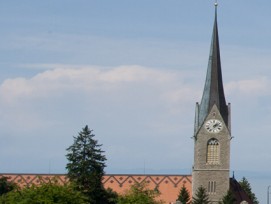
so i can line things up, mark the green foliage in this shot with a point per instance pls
(112, 196)
(247, 188)
(140, 194)
(85, 166)
(201, 196)
(6, 186)
(184, 196)
(47, 193)
(228, 198)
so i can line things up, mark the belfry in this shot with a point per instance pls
(212, 130)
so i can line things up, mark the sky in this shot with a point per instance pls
(132, 71)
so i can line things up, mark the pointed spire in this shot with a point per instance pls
(213, 91)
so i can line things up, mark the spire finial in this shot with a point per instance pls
(216, 5)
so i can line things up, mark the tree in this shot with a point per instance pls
(201, 196)
(184, 196)
(112, 196)
(247, 188)
(140, 194)
(49, 193)
(228, 198)
(6, 186)
(86, 164)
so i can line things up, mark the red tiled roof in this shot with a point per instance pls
(168, 185)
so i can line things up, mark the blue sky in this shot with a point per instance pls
(132, 71)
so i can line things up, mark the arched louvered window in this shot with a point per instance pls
(213, 151)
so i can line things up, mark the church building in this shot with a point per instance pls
(212, 138)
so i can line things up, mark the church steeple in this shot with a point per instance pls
(213, 90)
(212, 134)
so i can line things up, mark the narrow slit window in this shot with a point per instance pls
(211, 187)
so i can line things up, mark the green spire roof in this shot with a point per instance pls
(213, 91)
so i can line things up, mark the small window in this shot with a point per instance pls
(212, 187)
(213, 151)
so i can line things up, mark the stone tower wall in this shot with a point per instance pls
(213, 177)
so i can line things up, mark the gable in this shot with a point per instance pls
(214, 114)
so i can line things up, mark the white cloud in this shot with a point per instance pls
(32, 103)
(251, 87)
(121, 88)
(67, 78)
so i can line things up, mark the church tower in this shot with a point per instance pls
(212, 131)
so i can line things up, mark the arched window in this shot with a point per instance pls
(213, 151)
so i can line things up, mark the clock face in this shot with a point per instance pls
(213, 126)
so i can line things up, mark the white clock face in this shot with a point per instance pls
(213, 126)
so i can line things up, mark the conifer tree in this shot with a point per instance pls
(86, 164)
(201, 196)
(228, 198)
(184, 196)
(247, 188)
